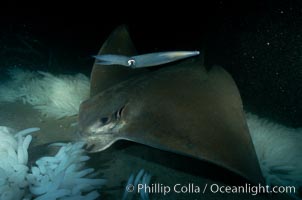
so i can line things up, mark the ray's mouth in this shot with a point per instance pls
(98, 143)
(99, 137)
(89, 147)
(107, 129)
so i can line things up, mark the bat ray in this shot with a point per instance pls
(182, 107)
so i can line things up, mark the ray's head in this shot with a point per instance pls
(101, 120)
(113, 114)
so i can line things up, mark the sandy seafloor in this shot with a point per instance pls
(119, 161)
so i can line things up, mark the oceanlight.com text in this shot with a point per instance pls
(191, 188)
(251, 189)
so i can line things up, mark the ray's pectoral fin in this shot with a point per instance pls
(102, 76)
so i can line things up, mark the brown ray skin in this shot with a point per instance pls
(181, 108)
(102, 77)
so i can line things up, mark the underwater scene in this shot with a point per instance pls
(165, 109)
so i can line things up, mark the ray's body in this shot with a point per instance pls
(182, 108)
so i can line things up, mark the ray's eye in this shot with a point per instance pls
(104, 120)
(118, 113)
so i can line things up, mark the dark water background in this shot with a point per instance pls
(258, 42)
